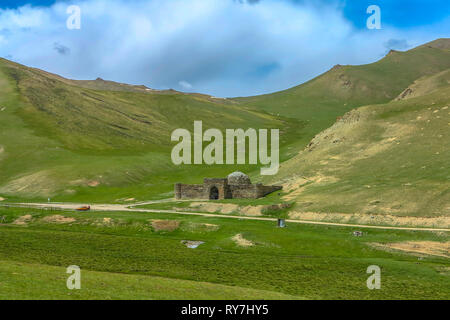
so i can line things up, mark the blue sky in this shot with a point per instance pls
(398, 13)
(220, 47)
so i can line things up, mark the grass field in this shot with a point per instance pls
(33, 281)
(313, 262)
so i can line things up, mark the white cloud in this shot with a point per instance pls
(224, 47)
(185, 85)
(23, 17)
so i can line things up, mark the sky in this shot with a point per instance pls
(224, 48)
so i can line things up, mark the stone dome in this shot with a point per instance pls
(238, 178)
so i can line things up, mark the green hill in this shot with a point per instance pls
(320, 101)
(101, 120)
(60, 139)
(380, 159)
(98, 141)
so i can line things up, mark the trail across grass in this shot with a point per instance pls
(310, 261)
(125, 208)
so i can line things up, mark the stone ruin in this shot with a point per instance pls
(236, 186)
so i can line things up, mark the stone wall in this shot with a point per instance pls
(226, 191)
(189, 191)
(243, 191)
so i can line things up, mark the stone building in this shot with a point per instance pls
(236, 186)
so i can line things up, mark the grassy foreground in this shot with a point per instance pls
(33, 281)
(314, 262)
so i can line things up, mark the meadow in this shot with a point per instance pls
(297, 262)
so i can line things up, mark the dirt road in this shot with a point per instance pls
(130, 208)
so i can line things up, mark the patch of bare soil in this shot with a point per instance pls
(252, 211)
(23, 220)
(165, 225)
(58, 219)
(225, 208)
(433, 248)
(368, 219)
(405, 94)
(241, 241)
(85, 182)
(93, 183)
(2, 199)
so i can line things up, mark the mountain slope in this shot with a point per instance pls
(320, 101)
(380, 159)
(96, 120)
(61, 140)
(426, 85)
(103, 141)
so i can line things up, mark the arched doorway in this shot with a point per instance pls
(214, 193)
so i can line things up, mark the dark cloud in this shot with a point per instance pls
(61, 49)
(397, 44)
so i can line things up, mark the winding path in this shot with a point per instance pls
(130, 208)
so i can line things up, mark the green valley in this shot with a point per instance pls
(360, 146)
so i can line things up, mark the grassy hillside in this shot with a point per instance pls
(98, 121)
(320, 101)
(380, 159)
(69, 142)
(426, 85)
